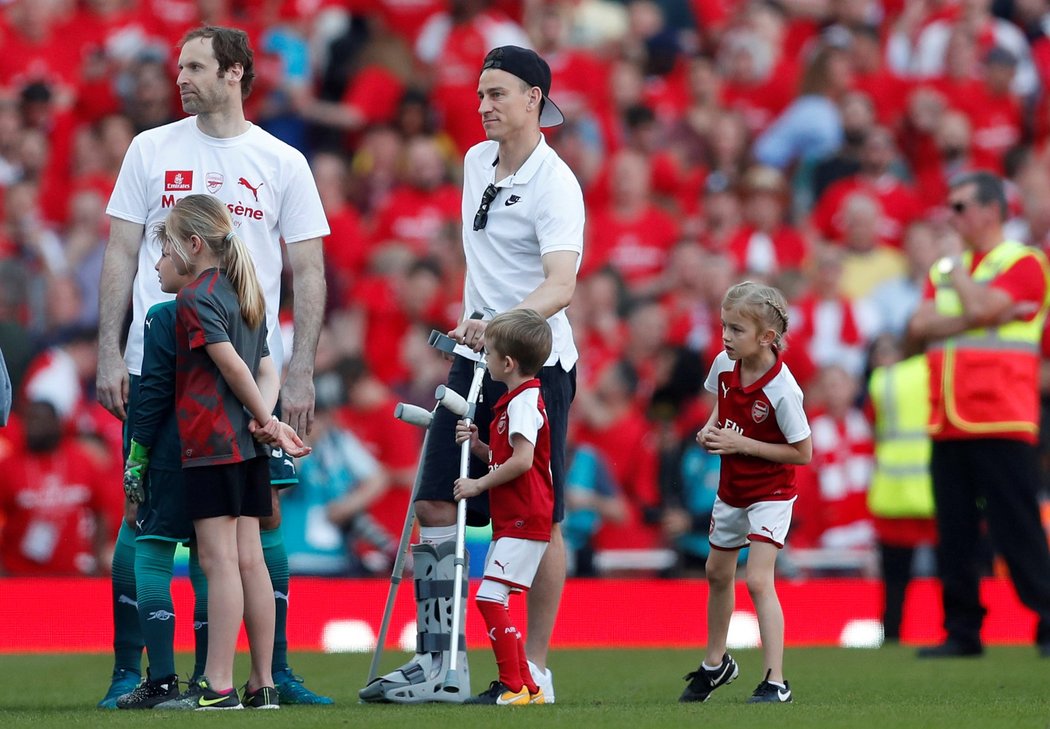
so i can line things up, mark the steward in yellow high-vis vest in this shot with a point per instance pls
(901, 495)
(900, 400)
(981, 320)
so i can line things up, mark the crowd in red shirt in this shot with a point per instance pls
(666, 107)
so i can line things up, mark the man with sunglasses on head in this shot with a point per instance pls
(523, 218)
(981, 320)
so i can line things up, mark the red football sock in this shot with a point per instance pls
(523, 667)
(505, 643)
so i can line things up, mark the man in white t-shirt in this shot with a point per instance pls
(523, 219)
(270, 193)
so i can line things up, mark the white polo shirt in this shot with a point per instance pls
(538, 210)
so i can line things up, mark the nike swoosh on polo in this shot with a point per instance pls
(512, 200)
(211, 702)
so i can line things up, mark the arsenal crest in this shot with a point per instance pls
(759, 411)
(501, 426)
(214, 181)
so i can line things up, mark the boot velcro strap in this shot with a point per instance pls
(437, 642)
(414, 673)
(429, 589)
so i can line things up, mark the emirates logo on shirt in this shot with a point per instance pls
(178, 180)
(759, 411)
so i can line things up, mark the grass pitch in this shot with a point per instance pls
(885, 688)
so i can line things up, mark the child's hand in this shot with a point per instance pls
(723, 441)
(464, 488)
(267, 432)
(463, 433)
(703, 437)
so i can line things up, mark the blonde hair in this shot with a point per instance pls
(207, 218)
(523, 335)
(764, 305)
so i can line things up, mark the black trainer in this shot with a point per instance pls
(200, 696)
(264, 697)
(150, 692)
(702, 681)
(768, 693)
(951, 648)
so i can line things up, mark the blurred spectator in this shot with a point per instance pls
(874, 78)
(893, 301)
(998, 116)
(374, 168)
(868, 261)
(368, 413)
(825, 325)
(833, 492)
(608, 419)
(325, 517)
(953, 145)
(64, 375)
(858, 119)
(728, 147)
(879, 177)
(810, 128)
(345, 249)
(59, 507)
(631, 234)
(688, 505)
(918, 49)
(372, 96)
(766, 244)
(577, 75)
(597, 316)
(85, 241)
(424, 201)
(749, 86)
(449, 47)
(592, 499)
(693, 302)
(149, 93)
(720, 215)
(901, 494)
(645, 347)
(389, 303)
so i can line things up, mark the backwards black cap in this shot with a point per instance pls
(533, 70)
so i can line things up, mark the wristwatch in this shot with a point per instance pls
(947, 264)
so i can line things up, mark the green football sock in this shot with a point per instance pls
(153, 570)
(200, 613)
(127, 633)
(277, 563)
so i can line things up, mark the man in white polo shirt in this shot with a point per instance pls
(523, 221)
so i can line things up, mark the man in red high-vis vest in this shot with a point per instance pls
(981, 320)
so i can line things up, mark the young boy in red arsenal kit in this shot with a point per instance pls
(522, 497)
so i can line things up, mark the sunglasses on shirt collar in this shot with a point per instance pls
(481, 218)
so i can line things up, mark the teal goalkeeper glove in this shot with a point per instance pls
(135, 472)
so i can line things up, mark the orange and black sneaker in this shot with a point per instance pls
(498, 694)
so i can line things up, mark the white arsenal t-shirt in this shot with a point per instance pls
(769, 410)
(266, 185)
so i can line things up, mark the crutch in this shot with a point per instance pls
(421, 417)
(454, 401)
